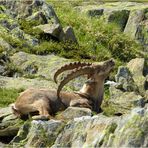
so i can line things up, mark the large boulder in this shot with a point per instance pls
(9, 124)
(100, 131)
(43, 67)
(131, 130)
(38, 133)
(122, 102)
(134, 20)
(24, 83)
(136, 67)
(125, 80)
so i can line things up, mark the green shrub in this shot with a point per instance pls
(28, 27)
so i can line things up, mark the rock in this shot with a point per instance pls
(24, 83)
(134, 20)
(33, 9)
(131, 130)
(6, 46)
(54, 30)
(2, 69)
(146, 95)
(45, 67)
(119, 17)
(95, 12)
(125, 80)
(30, 40)
(86, 132)
(38, 133)
(122, 102)
(5, 112)
(73, 112)
(69, 35)
(40, 16)
(9, 124)
(141, 34)
(136, 67)
(131, 17)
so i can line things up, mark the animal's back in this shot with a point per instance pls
(33, 99)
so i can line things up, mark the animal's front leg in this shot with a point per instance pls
(81, 103)
(43, 107)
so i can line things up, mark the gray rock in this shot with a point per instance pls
(124, 79)
(95, 12)
(119, 17)
(2, 69)
(136, 67)
(132, 130)
(24, 83)
(54, 30)
(30, 9)
(38, 133)
(5, 112)
(9, 124)
(69, 35)
(134, 20)
(73, 112)
(45, 67)
(141, 34)
(123, 102)
(5, 45)
(30, 40)
(86, 132)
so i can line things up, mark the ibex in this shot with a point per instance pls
(48, 102)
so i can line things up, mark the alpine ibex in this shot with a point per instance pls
(48, 102)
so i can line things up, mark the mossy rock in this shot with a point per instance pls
(43, 67)
(122, 102)
(132, 130)
(86, 132)
(9, 125)
(38, 133)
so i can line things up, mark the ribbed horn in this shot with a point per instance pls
(75, 73)
(69, 67)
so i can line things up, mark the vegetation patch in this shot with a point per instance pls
(8, 96)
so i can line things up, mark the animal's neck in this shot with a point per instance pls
(93, 89)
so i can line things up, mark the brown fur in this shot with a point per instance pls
(47, 103)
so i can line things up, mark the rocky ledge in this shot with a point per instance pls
(80, 127)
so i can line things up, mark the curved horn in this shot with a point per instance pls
(69, 67)
(75, 73)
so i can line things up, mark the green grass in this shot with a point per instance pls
(100, 40)
(8, 96)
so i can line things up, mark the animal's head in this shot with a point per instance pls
(101, 70)
(94, 72)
